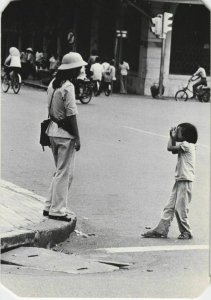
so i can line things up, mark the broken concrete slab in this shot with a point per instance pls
(115, 263)
(45, 234)
(45, 259)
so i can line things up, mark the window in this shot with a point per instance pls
(190, 39)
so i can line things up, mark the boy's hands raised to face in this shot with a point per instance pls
(173, 132)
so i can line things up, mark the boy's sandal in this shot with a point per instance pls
(185, 236)
(65, 218)
(153, 234)
(45, 213)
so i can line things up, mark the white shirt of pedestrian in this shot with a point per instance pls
(124, 67)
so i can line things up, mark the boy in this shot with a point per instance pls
(186, 134)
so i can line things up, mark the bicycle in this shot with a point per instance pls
(202, 93)
(85, 92)
(14, 82)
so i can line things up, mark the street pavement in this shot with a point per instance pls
(123, 178)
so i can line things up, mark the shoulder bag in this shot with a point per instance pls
(44, 138)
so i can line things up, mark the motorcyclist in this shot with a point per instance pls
(201, 74)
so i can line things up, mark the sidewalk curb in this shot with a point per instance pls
(44, 87)
(35, 85)
(44, 235)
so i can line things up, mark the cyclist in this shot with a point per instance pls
(97, 73)
(12, 62)
(201, 73)
(80, 82)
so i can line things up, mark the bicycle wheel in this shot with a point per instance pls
(107, 92)
(87, 96)
(5, 84)
(16, 83)
(181, 96)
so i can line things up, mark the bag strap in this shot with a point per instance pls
(51, 103)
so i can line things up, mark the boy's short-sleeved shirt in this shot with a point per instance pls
(63, 105)
(185, 168)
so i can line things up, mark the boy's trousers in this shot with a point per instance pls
(64, 157)
(178, 205)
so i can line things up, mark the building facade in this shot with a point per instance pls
(44, 25)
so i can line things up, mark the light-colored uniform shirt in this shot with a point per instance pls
(63, 105)
(124, 67)
(200, 72)
(185, 168)
(97, 70)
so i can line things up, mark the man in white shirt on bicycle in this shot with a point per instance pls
(200, 73)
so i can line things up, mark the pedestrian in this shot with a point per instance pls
(64, 135)
(97, 73)
(186, 134)
(23, 65)
(38, 59)
(124, 68)
(201, 75)
(113, 74)
(30, 63)
(12, 62)
(53, 63)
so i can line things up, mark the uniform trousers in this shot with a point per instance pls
(178, 204)
(57, 201)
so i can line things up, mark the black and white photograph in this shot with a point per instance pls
(105, 149)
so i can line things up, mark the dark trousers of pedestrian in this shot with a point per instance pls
(123, 84)
(202, 81)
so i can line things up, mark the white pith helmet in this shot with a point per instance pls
(72, 60)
